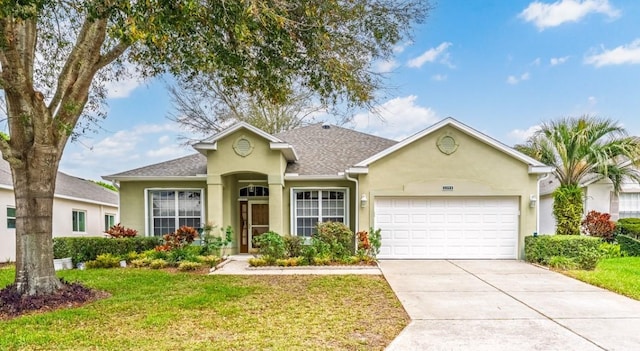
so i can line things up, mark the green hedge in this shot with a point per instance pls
(87, 249)
(629, 245)
(582, 250)
(629, 227)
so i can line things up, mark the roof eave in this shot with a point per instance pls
(296, 176)
(536, 169)
(358, 170)
(287, 150)
(154, 178)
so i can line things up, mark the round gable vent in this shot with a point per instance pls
(243, 146)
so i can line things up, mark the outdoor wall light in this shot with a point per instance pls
(532, 200)
(363, 201)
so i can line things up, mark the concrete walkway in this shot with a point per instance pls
(507, 305)
(239, 265)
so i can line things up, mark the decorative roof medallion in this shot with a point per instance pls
(243, 146)
(447, 144)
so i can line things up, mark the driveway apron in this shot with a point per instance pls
(506, 305)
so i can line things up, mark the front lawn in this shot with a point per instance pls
(621, 275)
(158, 310)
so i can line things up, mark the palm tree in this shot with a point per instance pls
(578, 148)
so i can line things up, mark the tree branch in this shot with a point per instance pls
(112, 54)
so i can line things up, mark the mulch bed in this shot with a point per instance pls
(12, 304)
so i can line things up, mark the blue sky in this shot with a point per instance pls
(502, 67)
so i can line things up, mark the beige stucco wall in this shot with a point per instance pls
(224, 164)
(62, 221)
(132, 196)
(474, 169)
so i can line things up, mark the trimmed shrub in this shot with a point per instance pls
(88, 249)
(599, 225)
(293, 245)
(628, 245)
(257, 262)
(157, 264)
(210, 260)
(119, 231)
(189, 266)
(270, 244)
(629, 227)
(141, 262)
(104, 261)
(338, 237)
(561, 262)
(581, 249)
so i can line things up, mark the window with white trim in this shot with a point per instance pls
(313, 206)
(79, 221)
(109, 221)
(11, 217)
(171, 209)
(629, 205)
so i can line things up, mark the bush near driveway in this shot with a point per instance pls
(157, 310)
(630, 246)
(565, 251)
(629, 227)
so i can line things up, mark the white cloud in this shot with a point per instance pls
(554, 61)
(536, 62)
(592, 100)
(164, 139)
(122, 88)
(123, 150)
(386, 66)
(401, 117)
(623, 54)
(437, 54)
(439, 77)
(521, 135)
(545, 15)
(513, 80)
(401, 47)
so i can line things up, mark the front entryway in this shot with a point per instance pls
(254, 220)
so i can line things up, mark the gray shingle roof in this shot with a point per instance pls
(191, 165)
(321, 151)
(327, 151)
(67, 185)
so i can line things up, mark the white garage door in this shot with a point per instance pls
(453, 227)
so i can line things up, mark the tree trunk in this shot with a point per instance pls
(34, 186)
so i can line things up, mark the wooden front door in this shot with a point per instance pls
(258, 220)
(254, 220)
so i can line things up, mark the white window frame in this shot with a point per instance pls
(635, 213)
(73, 223)
(292, 202)
(9, 217)
(105, 220)
(148, 229)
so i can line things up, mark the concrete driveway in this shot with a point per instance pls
(506, 305)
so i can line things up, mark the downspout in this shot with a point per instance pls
(356, 207)
(538, 202)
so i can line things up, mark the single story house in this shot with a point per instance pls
(448, 191)
(598, 196)
(80, 208)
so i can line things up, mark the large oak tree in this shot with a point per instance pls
(56, 55)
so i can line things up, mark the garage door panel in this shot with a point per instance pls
(447, 227)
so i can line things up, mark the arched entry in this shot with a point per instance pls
(254, 214)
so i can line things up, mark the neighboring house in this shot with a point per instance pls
(598, 196)
(448, 191)
(80, 208)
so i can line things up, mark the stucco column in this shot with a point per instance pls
(276, 205)
(214, 200)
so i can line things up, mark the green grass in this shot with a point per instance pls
(621, 275)
(158, 310)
